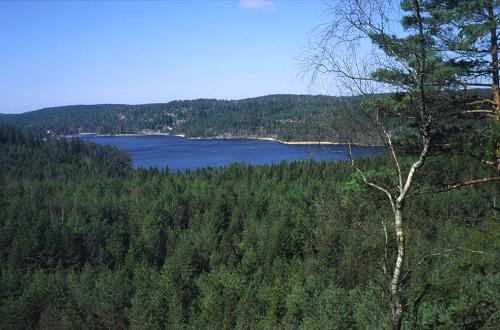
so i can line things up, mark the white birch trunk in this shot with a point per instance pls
(395, 285)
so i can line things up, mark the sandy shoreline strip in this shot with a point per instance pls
(316, 142)
(147, 133)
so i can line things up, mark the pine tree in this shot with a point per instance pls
(466, 32)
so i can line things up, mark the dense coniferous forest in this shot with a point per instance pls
(285, 117)
(408, 239)
(87, 242)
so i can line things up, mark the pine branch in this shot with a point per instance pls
(453, 186)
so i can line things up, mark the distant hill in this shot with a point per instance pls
(285, 117)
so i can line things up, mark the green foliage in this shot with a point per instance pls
(286, 117)
(240, 247)
(352, 189)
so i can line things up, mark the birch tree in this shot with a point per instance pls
(404, 63)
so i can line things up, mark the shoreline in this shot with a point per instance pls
(227, 138)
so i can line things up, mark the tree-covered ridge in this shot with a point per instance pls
(285, 246)
(24, 154)
(286, 117)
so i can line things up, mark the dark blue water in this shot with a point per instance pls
(178, 153)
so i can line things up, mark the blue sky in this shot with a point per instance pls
(59, 53)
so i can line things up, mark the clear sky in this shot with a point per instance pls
(60, 53)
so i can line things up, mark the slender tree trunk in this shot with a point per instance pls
(495, 75)
(395, 287)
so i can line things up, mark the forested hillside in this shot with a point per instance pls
(286, 117)
(410, 238)
(87, 242)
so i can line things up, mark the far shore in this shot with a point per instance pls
(148, 133)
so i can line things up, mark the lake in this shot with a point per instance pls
(178, 153)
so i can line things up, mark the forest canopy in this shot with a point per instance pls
(408, 238)
(87, 242)
(284, 117)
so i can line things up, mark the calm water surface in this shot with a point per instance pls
(178, 153)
